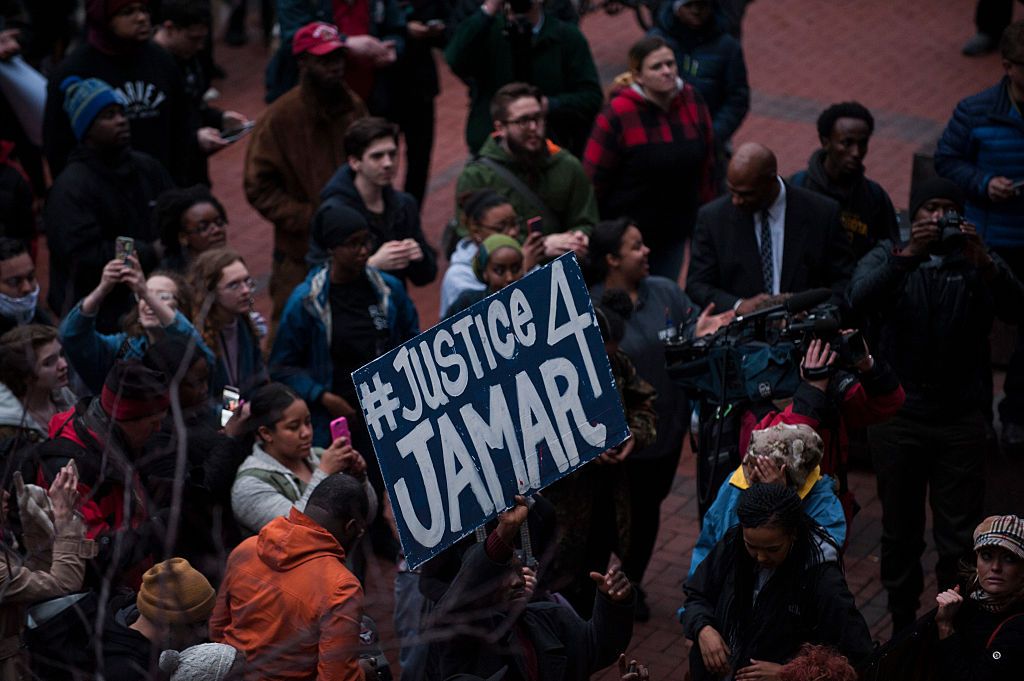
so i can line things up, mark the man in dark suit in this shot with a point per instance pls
(766, 240)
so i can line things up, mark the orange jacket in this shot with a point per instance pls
(290, 604)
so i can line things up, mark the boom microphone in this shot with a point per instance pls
(798, 302)
(805, 300)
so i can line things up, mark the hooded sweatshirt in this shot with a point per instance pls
(148, 78)
(15, 421)
(867, 213)
(290, 604)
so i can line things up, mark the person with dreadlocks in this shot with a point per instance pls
(772, 584)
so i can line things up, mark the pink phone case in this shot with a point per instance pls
(339, 428)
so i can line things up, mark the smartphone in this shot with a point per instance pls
(229, 403)
(124, 246)
(339, 428)
(1018, 185)
(236, 134)
(434, 23)
(535, 225)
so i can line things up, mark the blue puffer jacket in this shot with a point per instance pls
(712, 61)
(985, 139)
(301, 357)
(819, 501)
(92, 354)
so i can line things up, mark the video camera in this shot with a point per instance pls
(758, 355)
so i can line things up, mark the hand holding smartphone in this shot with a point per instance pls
(229, 403)
(339, 428)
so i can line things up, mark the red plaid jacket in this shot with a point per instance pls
(631, 120)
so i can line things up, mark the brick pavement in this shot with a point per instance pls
(899, 59)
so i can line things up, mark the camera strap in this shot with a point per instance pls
(551, 223)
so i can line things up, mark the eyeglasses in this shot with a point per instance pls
(525, 121)
(236, 286)
(205, 226)
(509, 225)
(355, 245)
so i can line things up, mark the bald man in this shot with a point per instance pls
(765, 239)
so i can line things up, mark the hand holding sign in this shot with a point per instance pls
(500, 400)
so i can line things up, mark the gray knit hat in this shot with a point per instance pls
(204, 662)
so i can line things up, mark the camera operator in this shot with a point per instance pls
(836, 394)
(505, 42)
(935, 298)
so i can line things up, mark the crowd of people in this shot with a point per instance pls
(179, 503)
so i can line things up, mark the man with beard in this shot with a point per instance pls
(539, 178)
(364, 184)
(837, 171)
(296, 147)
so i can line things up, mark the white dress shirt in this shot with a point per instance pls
(777, 227)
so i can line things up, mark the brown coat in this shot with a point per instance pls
(53, 567)
(296, 147)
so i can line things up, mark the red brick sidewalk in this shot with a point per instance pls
(900, 59)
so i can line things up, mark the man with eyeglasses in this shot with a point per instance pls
(19, 290)
(539, 179)
(982, 151)
(504, 42)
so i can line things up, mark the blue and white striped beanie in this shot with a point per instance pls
(84, 99)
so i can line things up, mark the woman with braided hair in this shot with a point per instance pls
(770, 585)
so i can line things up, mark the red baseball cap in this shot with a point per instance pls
(316, 38)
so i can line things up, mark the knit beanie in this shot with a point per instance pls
(134, 391)
(173, 592)
(796, 446)
(203, 662)
(489, 246)
(334, 223)
(936, 188)
(84, 99)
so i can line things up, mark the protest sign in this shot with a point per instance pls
(502, 399)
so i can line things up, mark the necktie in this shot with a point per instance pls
(767, 268)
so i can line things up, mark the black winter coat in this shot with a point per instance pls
(157, 104)
(822, 611)
(985, 646)
(934, 320)
(91, 203)
(567, 648)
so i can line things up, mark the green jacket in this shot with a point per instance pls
(561, 184)
(561, 66)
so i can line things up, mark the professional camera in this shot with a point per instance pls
(950, 239)
(758, 355)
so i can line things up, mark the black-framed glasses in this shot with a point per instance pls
(356, 244)
(205, 226)
(528, 119)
